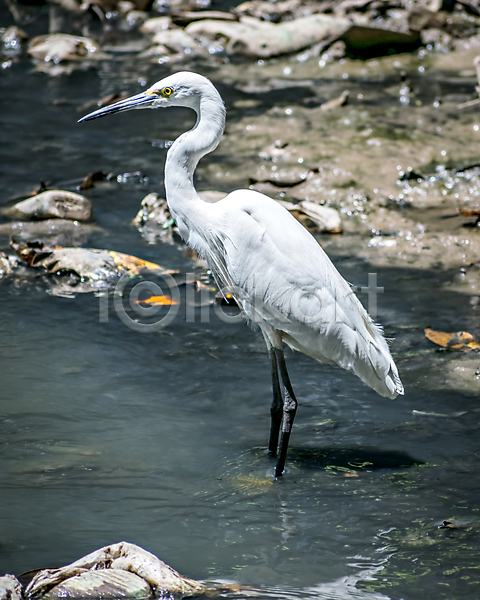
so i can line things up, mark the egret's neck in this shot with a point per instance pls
(182, 158)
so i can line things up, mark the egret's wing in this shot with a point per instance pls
(284, 281)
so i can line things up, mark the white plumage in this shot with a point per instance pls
(277, 272)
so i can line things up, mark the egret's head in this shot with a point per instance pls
(179, 89)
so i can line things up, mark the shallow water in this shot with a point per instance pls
(108, 434)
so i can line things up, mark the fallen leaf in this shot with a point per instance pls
(460, 340)
(158, 301)
(470, 212)
(134, 264)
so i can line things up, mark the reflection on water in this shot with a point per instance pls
(109, 434)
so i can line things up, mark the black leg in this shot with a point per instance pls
(276, 411)
(289, 411)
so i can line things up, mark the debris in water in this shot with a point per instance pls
(92, 268)
(460, 340)
(451, 524)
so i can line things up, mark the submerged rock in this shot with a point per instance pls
(56, 204)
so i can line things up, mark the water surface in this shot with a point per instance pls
(108, 434)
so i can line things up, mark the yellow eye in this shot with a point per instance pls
(168, 91)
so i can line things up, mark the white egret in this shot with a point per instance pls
(279, 275)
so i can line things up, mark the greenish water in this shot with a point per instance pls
(108, 434)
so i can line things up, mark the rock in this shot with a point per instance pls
(293, 36)
(13, 37)
(10, 588)
(106, 584)
(7, 266)
(154, 220)
(52, 204)
(175, 40)
(154, 211)
(288, 37)
(135, 18)
(211, 195)
(151, 26)
(58, 47)
(216, 30)
(183, 18)
(122, 557)
(268, 11)
(315, 217)
(359, 37)
(95, 264)
(59, 232)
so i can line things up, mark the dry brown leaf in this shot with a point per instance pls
(470, 212)
(459, 340)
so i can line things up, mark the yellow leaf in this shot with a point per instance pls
(158, 301)
(460, 340)
(133, 264)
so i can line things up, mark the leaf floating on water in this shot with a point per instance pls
(158, 301)
(460, 340)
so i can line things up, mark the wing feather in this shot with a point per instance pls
(284, 281)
